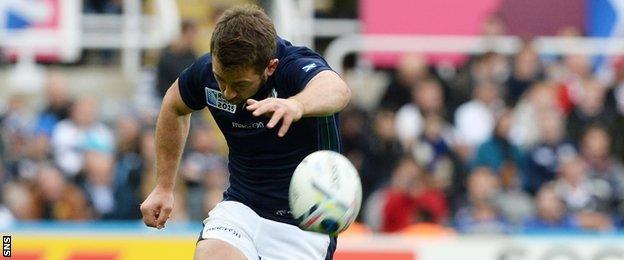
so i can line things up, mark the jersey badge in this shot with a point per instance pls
(214, 98)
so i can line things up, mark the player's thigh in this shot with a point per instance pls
(214, 249)
(280, 241)
(227, 227)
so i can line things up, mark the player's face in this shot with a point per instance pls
(239, 85)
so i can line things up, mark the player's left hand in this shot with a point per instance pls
(287, 110)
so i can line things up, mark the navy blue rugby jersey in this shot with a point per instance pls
(261, 164)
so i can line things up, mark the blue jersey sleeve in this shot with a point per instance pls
(192, 80)
(299, 69)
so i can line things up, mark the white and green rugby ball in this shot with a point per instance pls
(325, 193)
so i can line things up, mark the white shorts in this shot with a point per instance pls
(260, 238)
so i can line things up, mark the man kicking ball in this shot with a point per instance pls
(275, 104)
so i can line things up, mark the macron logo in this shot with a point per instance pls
(308, 67)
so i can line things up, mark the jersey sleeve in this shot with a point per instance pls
(299, 70)
(191, 82)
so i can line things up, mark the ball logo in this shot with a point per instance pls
(335, 182)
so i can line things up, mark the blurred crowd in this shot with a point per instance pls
(64, 163)
(500, 144)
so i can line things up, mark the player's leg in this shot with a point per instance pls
(214, 249)
(227, 233)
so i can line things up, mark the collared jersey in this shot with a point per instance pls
(260, 163)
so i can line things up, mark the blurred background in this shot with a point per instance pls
(482, 129)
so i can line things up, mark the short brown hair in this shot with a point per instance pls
(244, 36)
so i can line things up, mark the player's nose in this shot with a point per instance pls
(229, 94)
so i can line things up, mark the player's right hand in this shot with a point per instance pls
(157, 207)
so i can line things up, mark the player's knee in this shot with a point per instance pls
(213, 249)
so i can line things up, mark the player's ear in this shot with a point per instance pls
(272, 66)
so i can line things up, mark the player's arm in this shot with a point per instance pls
(326, 93)
(172, 129)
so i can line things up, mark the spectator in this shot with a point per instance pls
(544, 159)
(576, 188)
(352, 124)
(589, 110)
(492, 67)
(57, 107)
(483, 108)
(514, 203)
(129, 168)
(427, 99)
(489, 68)
(479, 213)
(551, 212)
(37, 150)
(411, 199)
(382, 152)
(499, 154)
(128, 134)
(176, 57)
(596, 151)
(614, 102)
(203, 170)
(409, 71)
(110, 198)
(587, 198)
(58, 198)
(73, 135)
(433, 151)
(16, 129)
(99, 184)
(20, 200)
(540, 99)
(526, 71)
(575, 73)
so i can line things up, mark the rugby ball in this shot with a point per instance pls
(325, 193)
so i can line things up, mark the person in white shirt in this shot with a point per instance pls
(427, 98)
(475, 119)
(71, 136)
